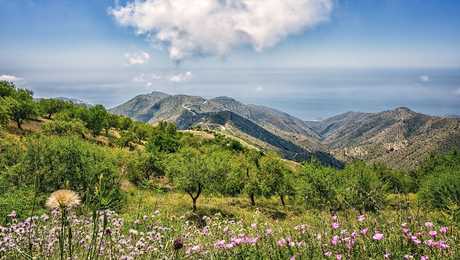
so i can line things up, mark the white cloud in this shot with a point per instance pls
(259, 88)
(137, 58)
(424, 78)
(215, 27)
(10, 78)
(181, 77)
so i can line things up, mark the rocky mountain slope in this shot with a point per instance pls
(400, 137)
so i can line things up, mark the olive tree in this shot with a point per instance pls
(194, 172)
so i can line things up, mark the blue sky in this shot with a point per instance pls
(405, 52)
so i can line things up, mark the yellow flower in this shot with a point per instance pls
(63, 199)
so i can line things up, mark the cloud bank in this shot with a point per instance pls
(214, 27)
(10, 78)
(137, 58)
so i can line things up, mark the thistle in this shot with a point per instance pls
(63, 199)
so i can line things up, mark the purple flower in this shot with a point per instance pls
(268, 231)
(364, 231)
(361, 218)
(328, 253)
(424, 257)
(443, 230)
(433, 233)
(378, 236)
(335, 240)
(338, 257)
(335, 225)
(386, 255)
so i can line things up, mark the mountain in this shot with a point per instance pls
(262, 126)
(400, 138)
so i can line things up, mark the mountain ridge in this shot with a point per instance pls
(394, 136)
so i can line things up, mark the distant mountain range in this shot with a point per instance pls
(400, 137)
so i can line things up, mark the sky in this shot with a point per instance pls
(310, 58)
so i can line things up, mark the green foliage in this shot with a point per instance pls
(96, 119)
(5, 112)
(440, 184)
(144, 166)
(64, 127)
(20, 200)
(7, 89)
(317, 186)
(52, 163)
(11, 152)
(164, 139)
(361, 187)
(396, 181)
(52, 106)
(21, 106)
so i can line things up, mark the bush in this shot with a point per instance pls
(440, 190)
(52, 163)
(62, 128)
(361, 188)
(318, 187)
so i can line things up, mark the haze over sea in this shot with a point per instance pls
(310, 94)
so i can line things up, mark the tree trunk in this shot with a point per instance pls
(195, 198)
(253, 201)
(194, 204)
(49, 116)
(18, 122)
(282, 200)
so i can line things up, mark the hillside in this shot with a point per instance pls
(399, 137)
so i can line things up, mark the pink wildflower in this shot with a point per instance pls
(361, 218)
(335, 225)
(364, 231)
(433, 233)
(429, 224)
(378, 236)
(443, 230)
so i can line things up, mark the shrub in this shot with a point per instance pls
(62, 127)
(361, 188)
(440, 190)
(318, 187)
(52, 163)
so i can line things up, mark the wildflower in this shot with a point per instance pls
(407, 257)
(334, 218)
(338, 257)
(63, 199)
(282, 242)
(292, 257)
(268, 231)
(335, 240)
(335, 225)
(328, 253)
(361, 218)
(364, 231)
(424, 257)
(429, 224)
(386, 255)
(429, 242)
(378, 236)
(443, 230)
(254, 225)
(219, 244)
(433, 233)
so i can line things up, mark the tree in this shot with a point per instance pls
(7, 89)
(194, 172)
(52, 106)
(22, 106)
(97, 119)
(164, 139)
(275, 177)
(251, 177)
